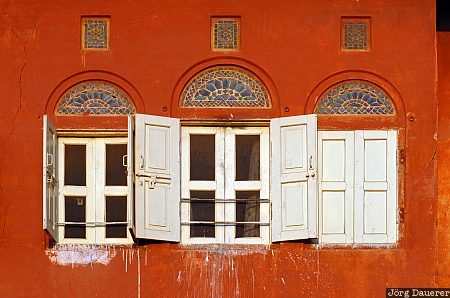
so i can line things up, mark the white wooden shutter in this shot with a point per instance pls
(157, 196)
(130, 176)
(50, 182)
(375, 186)
(336, 171)
(294, 181)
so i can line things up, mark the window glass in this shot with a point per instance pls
(115, 171)
(75, 165)
(202, 157)
(247, 210)
(75, 211)
(247, 157)
(203, 211)
(116, 211)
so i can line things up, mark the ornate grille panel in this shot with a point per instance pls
(95, 33)
(355, 34)
(225, 33)
(95, 97)
(355, 97)
(225, 86)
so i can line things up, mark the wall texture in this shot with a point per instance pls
(155, 47)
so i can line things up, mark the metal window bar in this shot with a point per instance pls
(225, 223)
(188, 200)
(93, 224)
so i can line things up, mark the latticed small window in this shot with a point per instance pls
(95, 97)
(225, 86)
(355, 34)
(355, 97)
(225, 34)
(95, 33)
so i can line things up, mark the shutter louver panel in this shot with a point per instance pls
(375, 186)
(50, 182)
(157, 169)
(294, 181)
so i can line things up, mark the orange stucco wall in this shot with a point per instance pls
(155, 45)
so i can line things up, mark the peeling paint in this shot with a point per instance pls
(77, 254)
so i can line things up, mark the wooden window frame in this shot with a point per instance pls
(95, 190)
(225, 184)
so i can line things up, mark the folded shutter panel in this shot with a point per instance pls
(130, 175)
(157, 170)
(294, 179)
(336, 171)
(50, 183)
(375, 186)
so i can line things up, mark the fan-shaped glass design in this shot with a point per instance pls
(225, 86)
(355, 97)
(95, 97)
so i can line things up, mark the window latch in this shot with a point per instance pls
(152, 182)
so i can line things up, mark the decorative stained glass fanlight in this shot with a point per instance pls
(355, 97)
(225, 86)
(95, 97)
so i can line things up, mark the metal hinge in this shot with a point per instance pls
(401, 156)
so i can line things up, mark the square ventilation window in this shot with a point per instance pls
(95, 33)
(225, 34)
(355, 34)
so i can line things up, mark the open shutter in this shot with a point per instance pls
(130, 175)
(157, 178)
(375, 186)
(336, 166)
(50, 183)
(294, 181)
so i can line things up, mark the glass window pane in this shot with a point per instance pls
(202, 211)
(203, 157)
(75, 165)
(75, 211)
(247, 158)
(116, 173)
(247, 212)
(116, 211)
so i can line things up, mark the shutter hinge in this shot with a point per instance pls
(401, 156)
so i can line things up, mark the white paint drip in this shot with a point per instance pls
(139, 274)
(77, 254)
(179, 277)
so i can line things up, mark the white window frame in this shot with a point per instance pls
(95, 190)
(225, 185)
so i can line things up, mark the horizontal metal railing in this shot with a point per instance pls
(225, 223)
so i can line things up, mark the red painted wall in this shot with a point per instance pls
(155, 46)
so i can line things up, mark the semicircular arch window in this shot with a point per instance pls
(355, 98)
(95, 97)
(225, 86)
